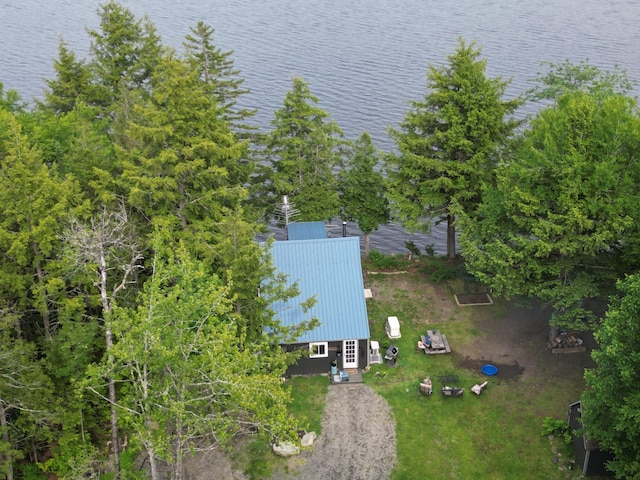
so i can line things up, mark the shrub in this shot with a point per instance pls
(559, 428)
(382, 260)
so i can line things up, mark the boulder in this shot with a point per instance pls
(285, 449)
(308, 439)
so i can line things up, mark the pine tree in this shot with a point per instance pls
(180, 161)
(73, 82)
(124, 52)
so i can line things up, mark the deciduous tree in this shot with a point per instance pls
(611, 402)
(449, 142)
(193, 383)
(563, 207)
(106, 250)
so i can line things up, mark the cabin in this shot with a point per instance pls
(330, 270)
(591, 459)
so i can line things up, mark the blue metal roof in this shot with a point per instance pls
(306, 230)
(330, 270)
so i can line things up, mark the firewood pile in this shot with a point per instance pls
(565, 340)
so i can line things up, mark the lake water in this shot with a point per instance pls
(364, 59)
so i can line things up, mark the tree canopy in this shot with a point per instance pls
(562, 207)
(362, 189)
(302, 154)
(611, 402)
(449, 142)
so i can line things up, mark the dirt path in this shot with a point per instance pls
(357, 441)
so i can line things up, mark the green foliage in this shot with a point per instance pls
(73, 82)
(303, 151)
(413, 248)
(611, 403)
(30, 471)
(566, 77)
(72, 461)
(217, 71)
(385, 261)
(10, 100)
(563, 207)
(124, 52)
(185, 365)
(362, 188)
(179, 158)
(449, 142)
(559, 428)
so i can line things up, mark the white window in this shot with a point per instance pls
(318, 349)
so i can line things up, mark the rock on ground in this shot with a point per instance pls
(358, 440)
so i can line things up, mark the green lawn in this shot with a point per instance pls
(497, 435)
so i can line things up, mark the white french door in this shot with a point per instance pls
(350, 354)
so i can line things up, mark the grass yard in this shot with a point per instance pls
(497, 435)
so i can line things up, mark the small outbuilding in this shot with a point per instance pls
(591, 459)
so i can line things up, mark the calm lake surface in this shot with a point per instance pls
(364, 59)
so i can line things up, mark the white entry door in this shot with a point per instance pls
(349, 354)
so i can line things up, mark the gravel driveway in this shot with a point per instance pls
(358, 440)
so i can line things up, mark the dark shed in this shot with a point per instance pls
(591, 459)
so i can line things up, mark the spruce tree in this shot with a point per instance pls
(304, 151)
(449, 142)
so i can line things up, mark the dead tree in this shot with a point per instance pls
(106, 248)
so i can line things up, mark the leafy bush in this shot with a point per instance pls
(413, 248)
(382, 260)
(30, 471)
(559, 428)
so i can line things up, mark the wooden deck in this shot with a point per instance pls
(439, 343)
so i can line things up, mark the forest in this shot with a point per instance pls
(135, 301)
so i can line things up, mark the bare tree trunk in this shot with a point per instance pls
(115, 437)
(451, 237)
(108, 335)
(108, 239)
(366, 245)
(5, 438)
(46, 324)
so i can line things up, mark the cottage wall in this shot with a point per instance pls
(315, 366)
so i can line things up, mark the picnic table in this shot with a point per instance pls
(435, 342)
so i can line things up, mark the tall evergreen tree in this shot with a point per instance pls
(362, 189)
(73, 82)
(124, 51)
(449, 142)
(304, 151)
(180, 159)
(219, 74)
(35, 205)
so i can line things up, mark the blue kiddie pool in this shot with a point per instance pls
(489, 369)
